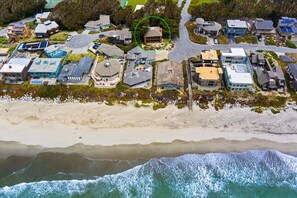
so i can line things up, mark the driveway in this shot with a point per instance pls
(185, 48)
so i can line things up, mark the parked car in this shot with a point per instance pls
(69, 38)
(215, 41)
(259, 39)
(96, 45)
(101, 35)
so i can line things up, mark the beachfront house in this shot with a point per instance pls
(263, 28)
(169, 75)
(208, 28)
(236, 28)
(237, 70)
(43, 17)
(287, 27)
(54, 51)
(268, 77)
(101, 24)
(139, 68)
(123, 36)
(15, 70)
(208, 76)
(74, 72)
(153, 35)
(46, 29)
(45, 68)
(292, 69)
(107, 73)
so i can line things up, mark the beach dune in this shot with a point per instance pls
(121, 131)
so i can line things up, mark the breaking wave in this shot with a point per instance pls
(249, 174)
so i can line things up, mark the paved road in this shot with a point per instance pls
(185, 48)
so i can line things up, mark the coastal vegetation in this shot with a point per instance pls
(247, 39)
(196, 38)
(226, 9)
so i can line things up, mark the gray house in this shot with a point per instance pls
(139, 68)
(269, 78)
(74, 72)
(123, 36)
(263, 28)
(292, 69)
(209, 28)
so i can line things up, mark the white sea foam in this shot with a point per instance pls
(185, 176)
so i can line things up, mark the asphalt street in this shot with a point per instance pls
(185, 48)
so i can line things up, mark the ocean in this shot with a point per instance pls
(251, 174)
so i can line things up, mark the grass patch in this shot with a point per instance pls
(76, 57)
(290, 44)
(4, 40)
(61, 36)
(127, 48)
(198, 2)
(222, 39)
(133, 3)
(158, 105)
(247, 39)
(191, 26)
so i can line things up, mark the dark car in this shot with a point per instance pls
(101, 35)
(96, 46)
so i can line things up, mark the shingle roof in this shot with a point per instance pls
(264, 25)
(110, 50)
(154, 31)
(286, 59)
(169, 72)
(108, 68)
(293, 68)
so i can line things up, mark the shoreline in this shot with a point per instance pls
(66, 127)
(149, 151)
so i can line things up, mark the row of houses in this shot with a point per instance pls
(236, 71)
(286, 27)
(23, 65)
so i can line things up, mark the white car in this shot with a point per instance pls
(69, 38)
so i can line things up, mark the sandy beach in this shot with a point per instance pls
(29, 128)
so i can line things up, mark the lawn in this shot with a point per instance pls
(247, 39)
(197, 2)
(133, 3)
(61, 36)
(222, 39)
(76, 57)
(194, 37)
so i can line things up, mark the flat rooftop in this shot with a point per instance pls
(209, 73)
(209, 55)
(45, 65)
(238, 74)
(236, 23)
(235, 52)
(15, 65)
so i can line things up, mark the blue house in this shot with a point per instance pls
(53, 51)
(287, 27)
(45, 68)
(235, 28)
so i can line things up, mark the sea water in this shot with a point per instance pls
(251, 174)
